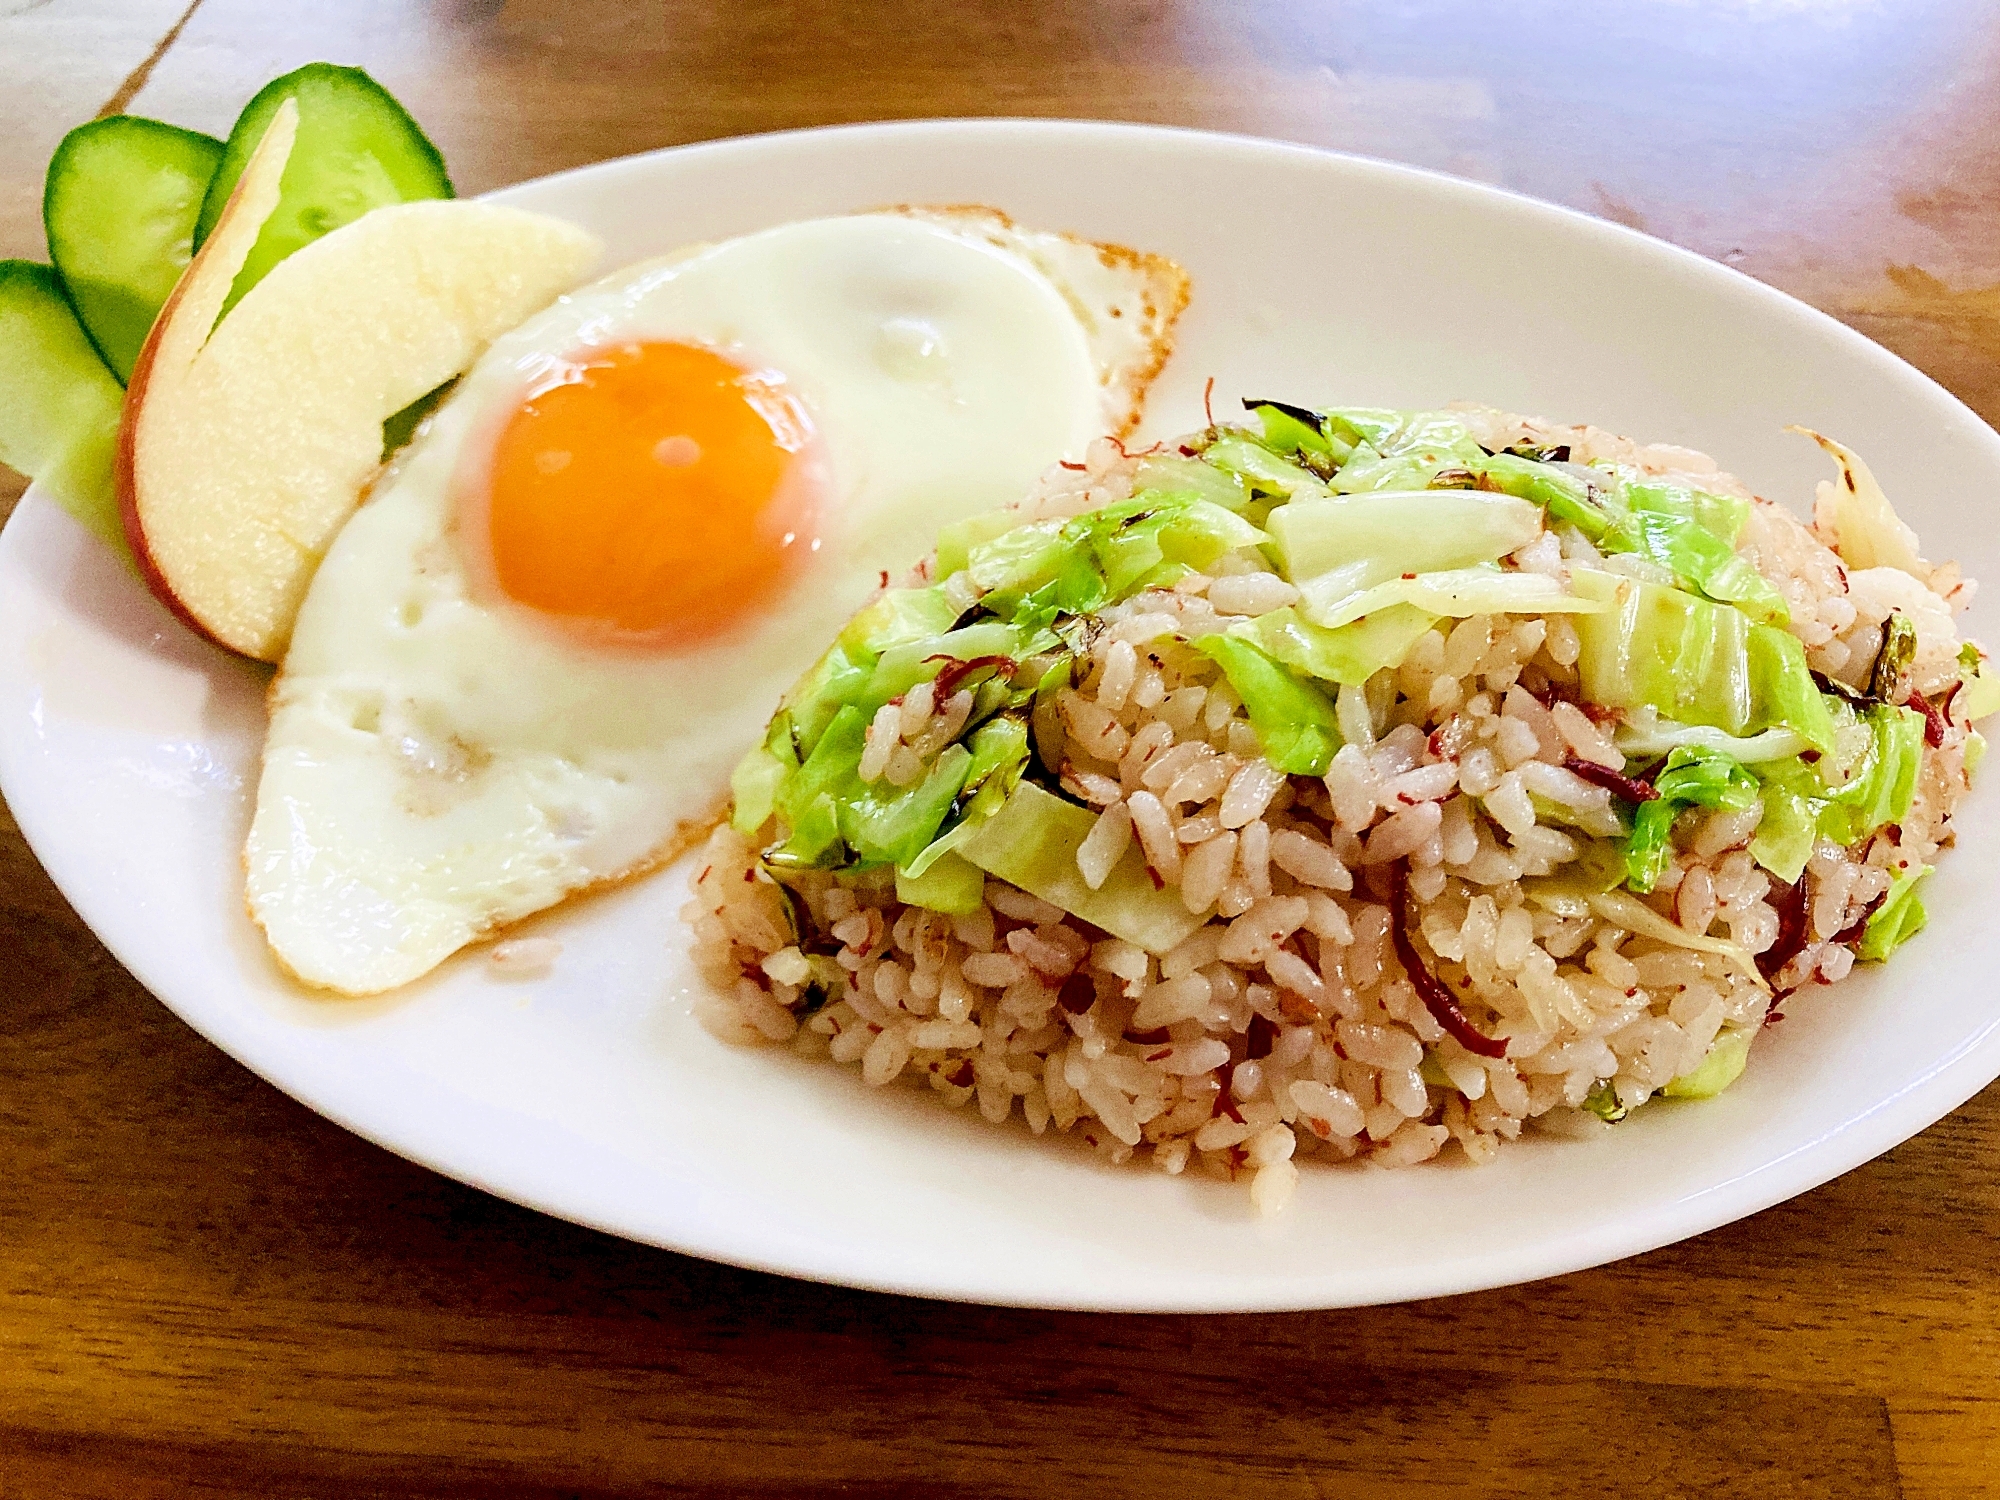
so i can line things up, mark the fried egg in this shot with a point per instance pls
(528, 663)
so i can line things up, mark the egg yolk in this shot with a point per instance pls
(652, 490)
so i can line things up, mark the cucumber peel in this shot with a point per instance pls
(59, 405)
(357, 149)
(125, 204)
(119, 205)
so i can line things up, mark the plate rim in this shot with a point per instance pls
(1972, 1066)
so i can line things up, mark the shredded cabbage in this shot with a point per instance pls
(1398, 450)
(1691, 778)
(1104, 555)
(1694, 661)
(1261, 469)
(999, 755)
(1880, 789)
(760, 777)
(1723, 515)
(1789, 828)
(1899, 918)
(887, 824)
(827, 685)
(1980, 694)
(1375, 426)
(1645, 735)
(1368, 473)
(1419, 432)
(1598, 868)
(1173, 474)
(955, 543)
(1722, 1066)
(1294, 720)
(1349, 655)
(899, 615)
(811, 798)
(950, 884)
(1287, 432)
(1801, 807)
(903, 666)
(1366, 539)
(1457, 592)
(1699, 559)
(834, 817)
(1565, 496)
(1032, 841)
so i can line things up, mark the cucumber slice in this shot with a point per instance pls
(119, 205)
(59, 406)
(401, 427)
(357, 149)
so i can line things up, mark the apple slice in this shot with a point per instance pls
(247, 444)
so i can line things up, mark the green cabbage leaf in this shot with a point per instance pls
(1294, 720)
(1348, 655)
(1980, 694)
(1807, 801)
(1694, 661)
(1690, 778)
(1031, 842)
(1899, 918)
(1724, 1064)
(1362, 540)
(1703, 561)
(1480, 590)
(999, 755)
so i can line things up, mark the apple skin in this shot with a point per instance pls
(221, 256)
(125, 463)
(247, 443)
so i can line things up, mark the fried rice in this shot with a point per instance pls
(1462, 917)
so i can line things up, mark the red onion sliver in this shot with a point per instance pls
(1619, 785)
(1437, 999)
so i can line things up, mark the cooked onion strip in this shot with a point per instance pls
(1632, 914)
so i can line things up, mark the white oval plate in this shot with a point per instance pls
(126, 748)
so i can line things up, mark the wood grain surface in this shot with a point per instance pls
(207, 1290)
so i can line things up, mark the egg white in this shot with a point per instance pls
(442, 762)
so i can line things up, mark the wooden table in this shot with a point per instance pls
(207, 1290)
